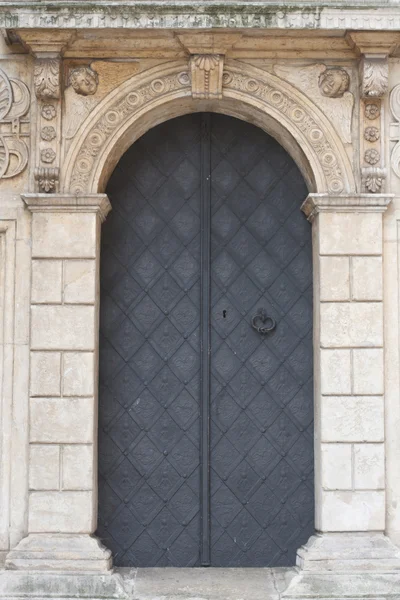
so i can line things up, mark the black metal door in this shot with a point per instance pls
(205, 438)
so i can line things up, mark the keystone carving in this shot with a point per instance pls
(374, 77)
(207, 72)
(14, 126)
(47, 78)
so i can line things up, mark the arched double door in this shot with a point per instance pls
(206, 400)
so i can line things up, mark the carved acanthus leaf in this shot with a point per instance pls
(47, 179)
(373, 179)
(374, 77)
(47, 78)
(207, 72)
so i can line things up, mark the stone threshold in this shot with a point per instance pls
(199, 584)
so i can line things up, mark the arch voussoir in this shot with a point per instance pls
(248, 92)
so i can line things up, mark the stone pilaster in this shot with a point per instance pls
(63, 386)
(349, 402)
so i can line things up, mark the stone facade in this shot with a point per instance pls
(77, 91)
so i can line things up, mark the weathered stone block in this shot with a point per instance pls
(63, 328)
(352, 511)
(45, 373)
(60, 512)
(368, 371)
(64, 235)
(77, 467)
(78, 374)
(336, 466)
(369, 466)
(62, 420)
(334, 278)
(351, 324)
(79, 281)
(335, 372)
(352, 419)
(350, 233)
(44, 467)
(366, 279)
(46, 281)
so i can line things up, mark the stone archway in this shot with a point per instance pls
(347, 231)
(249, 93)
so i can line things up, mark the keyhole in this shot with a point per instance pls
(224, 314)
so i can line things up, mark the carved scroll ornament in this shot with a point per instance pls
(14, 105)
(395, 129)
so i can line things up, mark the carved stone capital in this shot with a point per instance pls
(374, 75)
(47, 179)
(317, 203)
(68, 203)
(207, 72)
(47, 78)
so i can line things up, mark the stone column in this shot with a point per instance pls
(63, 386)
(349, 397)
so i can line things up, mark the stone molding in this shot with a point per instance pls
(60, 552)
(204, 14)
(67, 203)
(264, 92)
(317, 203)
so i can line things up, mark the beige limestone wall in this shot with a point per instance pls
(349, 387)
(63, 382)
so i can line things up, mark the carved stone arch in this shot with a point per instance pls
(249, 93)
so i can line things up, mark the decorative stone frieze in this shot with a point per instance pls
(245, 85)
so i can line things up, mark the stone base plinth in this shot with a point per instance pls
(60, 552)
(21, 585)
(339, 566)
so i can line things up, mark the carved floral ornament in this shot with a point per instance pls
(46, 78)
(263, 91)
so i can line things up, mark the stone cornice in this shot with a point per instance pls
(158, 14)
(68, 203)
(317, 203)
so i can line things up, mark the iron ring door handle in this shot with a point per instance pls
(263, 323)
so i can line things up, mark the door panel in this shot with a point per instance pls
(205, 230)
(262, 453)
(149, 357)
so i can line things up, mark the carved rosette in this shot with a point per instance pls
(14, 126)
(207, 72)
(47, 89)
(374, 74)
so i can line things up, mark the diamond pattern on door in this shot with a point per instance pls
(261, 446)
(151, 263)
(260, 258)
